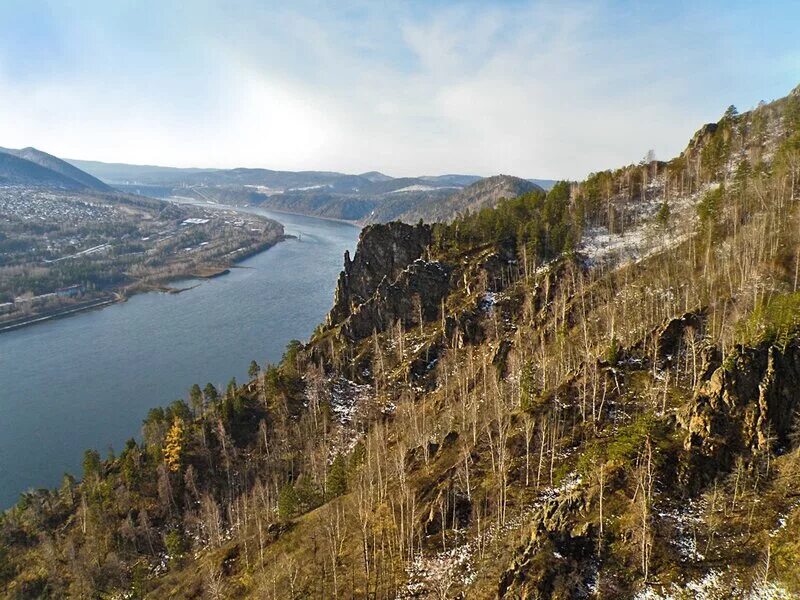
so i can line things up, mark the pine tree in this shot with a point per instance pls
(287, 502)
(336, 483)
(253, 370)
(210, 392)
(91, 463)
(662, 217)
(196, 398)
(730, 113)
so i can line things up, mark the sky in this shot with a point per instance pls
(535, 89)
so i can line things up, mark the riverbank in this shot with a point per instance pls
(123, 293)
(59, 314)
(94, 376)
(299, 214)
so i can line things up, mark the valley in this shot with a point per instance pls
(366, 198)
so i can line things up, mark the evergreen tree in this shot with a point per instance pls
(254, 370)
(662, 217)
(91, 464)
(308, 496)
(287, 502)
(528, 387)
(211, 394)
(175, 545)
(336, 484)
(730, 113)
(196, 398)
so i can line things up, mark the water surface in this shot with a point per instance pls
(87, 381)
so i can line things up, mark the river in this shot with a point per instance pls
(88, 380)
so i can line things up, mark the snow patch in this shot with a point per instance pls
(454, 568)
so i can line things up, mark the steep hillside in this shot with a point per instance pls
(484, 193)
(59, 166)
(18, 171)
(584, 393)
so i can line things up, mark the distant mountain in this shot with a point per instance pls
(367, 197)
(375, 176)
(121, 173)
(33, 167)
(18, 171)
(545, 184)
(48, 161)
(484, 193)
(454, 180)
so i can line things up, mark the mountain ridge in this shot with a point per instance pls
(362, 198)
(51, 171)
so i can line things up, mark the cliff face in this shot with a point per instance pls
(412, 298)
(744, 407)
(386, 278)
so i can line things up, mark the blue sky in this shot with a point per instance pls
(536, 89)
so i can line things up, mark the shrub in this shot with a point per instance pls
(175, 544)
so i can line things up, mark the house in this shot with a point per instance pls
(69, 291)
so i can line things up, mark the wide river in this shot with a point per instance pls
(88, 380)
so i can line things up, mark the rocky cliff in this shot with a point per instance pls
(387, 263)
(743, 407)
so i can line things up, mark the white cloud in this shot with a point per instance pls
(539, 90)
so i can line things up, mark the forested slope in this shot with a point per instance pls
(589, 392)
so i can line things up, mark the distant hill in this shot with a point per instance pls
(48, 161)
(18, 171)
(484, 193)
(121, 173)
(32, 167)
(545, 184)
(375, 176)
(368, 197)
(456, 180)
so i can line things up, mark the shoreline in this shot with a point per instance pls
(124, 293)
(61, 314)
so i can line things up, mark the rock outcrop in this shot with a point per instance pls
(742, 407)
(414, 296)
(388, 281)
(383, 252)
(674, 336)
(556, 557)
(699, 141)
